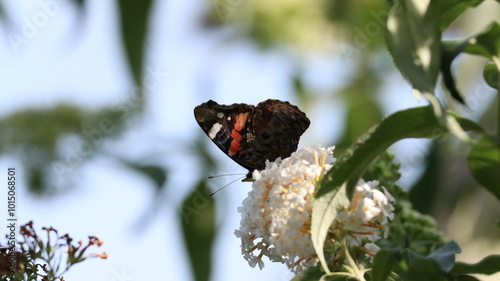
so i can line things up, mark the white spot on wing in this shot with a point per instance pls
(220, 115)
(229, 118)
(214, 130)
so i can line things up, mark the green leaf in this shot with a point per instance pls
(425, 192)
(199, 148)
(157, 174)
(198, 226)
(363, 111)
(450, 10)
(134, 17)
(445, 256)
(298, 86)
(433, 267)
(3, 14)
(80, 3)
(465, 278)
(450, 50)
(310, 273)
(418, 122)
(484, 163)
(486, 44)
(413, 39)
(383, 263)
(334, 188)
(424, 269)
(491, 75)
(325, 210)
(489, 265)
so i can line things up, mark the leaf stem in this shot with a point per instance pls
(358, 274)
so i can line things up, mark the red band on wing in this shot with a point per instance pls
(239, 125)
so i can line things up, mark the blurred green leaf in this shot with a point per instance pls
(488, 265)
(412, 123)
(486, 44)
(383, 262)
(40, 127)
(200, 149)
(298, 86)
(433, 267)
(450, 10)
(338, 11)
(134, 17)
(424, 193)
(34, 136)
(36, 180)
(80, 3)
(465, 278)
(450, 50)
(363, 109)
(491, 75)
(362, 114)
(156, 173)
(445, 256)
(197, 216)
(3, 15)
(484, 163)
(413, 39)
(424, 269)
(363, 22)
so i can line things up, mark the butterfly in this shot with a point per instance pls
(249, 134)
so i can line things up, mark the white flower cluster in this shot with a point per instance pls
(367, 215)
(276, 215)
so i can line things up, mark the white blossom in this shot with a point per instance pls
(371, 249)
(369, 213)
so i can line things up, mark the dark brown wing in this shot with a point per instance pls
(274, 131)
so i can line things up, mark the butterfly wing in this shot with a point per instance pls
(274, 130)
(226, 126)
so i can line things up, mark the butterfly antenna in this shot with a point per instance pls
(217, 176)
(213, 193)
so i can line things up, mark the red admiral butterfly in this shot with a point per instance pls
(249, 134)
